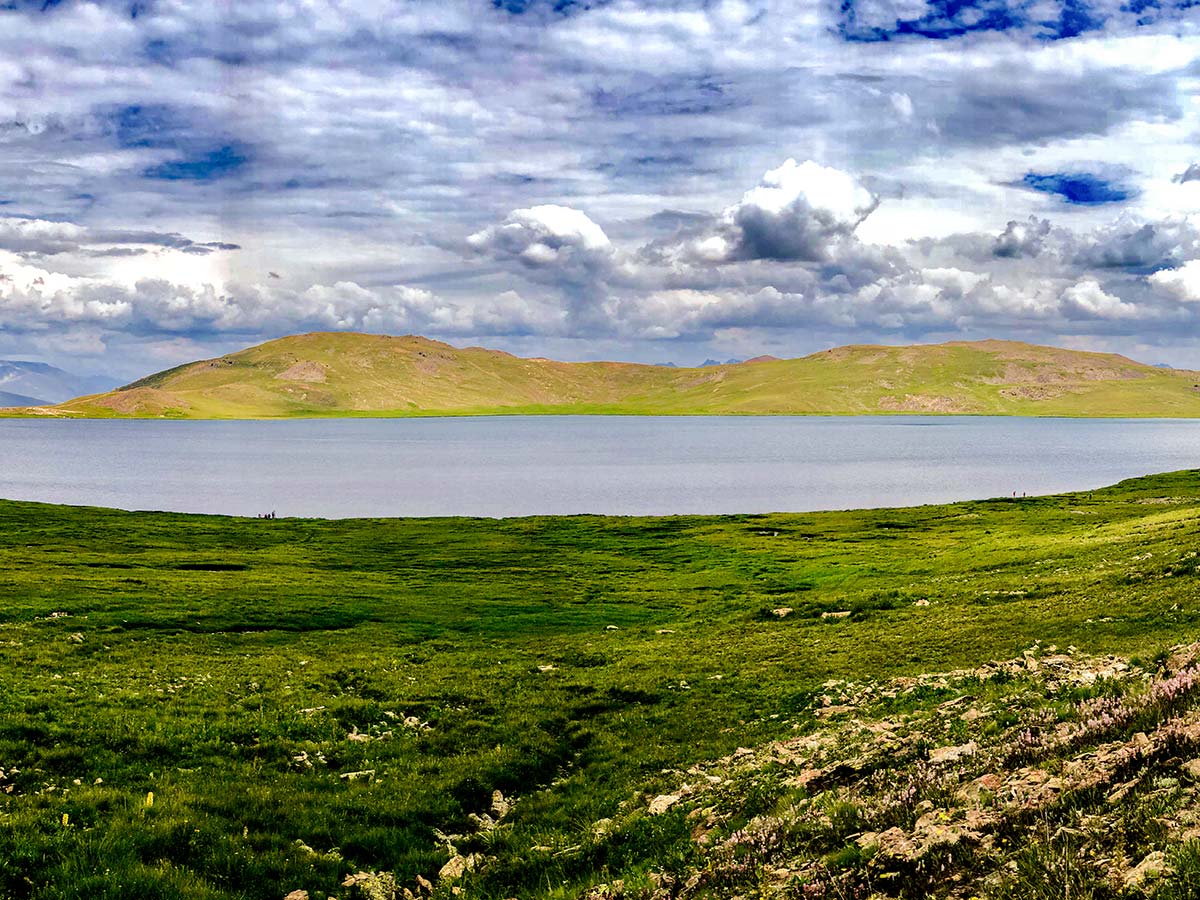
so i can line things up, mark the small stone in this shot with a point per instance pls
(782, 612)
(500, 806)
(840, 614)
(297, 895)
(1191, 768)
(895, 843)
(1153, 866)
(953, 754)
(921, 602)
(458, 866)
(662, 803)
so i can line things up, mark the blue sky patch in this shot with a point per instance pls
(562, 7)
(1081, 189)
(942, 19)
(867, 21)
(152, 125)
(208, 166)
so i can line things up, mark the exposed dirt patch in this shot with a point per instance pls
(142, 401)
(305, 371)
(922, 403)
(1066, 370)
(1033, 392)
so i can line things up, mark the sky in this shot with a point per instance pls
(647, 181)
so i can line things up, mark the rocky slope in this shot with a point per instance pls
(1051, 775)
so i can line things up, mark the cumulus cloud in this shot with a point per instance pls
(1020, 239)
(1182, 283)
(35, 300)
(1132, 244)
(1088, 299)
(547, 237)
(797, 212)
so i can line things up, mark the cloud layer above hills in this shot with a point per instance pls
(644, 181)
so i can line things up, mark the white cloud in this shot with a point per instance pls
(546, 236)
(1087, 298)
(1182, 283)
(797, 212)
(902, 104)
(374, 137)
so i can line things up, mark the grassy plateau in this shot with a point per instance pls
(341, 374)
(989, 699)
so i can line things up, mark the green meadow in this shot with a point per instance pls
(206, 707)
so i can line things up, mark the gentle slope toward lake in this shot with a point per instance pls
(341, 374)
(202, 707)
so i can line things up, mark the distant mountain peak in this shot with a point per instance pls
(27, 383)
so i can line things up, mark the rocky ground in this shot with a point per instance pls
(1051, 775)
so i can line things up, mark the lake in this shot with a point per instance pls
(527, 465)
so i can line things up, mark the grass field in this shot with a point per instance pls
(203, 707)
(340, 374)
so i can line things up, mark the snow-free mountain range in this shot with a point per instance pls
(35, 384)
(346, 374)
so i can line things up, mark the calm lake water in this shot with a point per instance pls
(514, 466)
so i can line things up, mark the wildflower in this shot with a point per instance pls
(149, 798)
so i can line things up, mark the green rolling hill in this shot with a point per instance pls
(344, 374)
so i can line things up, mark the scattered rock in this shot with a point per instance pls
(894, 843)
(297, 895)
(953, 754)
(783, 612)
(372, 886)
(457, 867)
(840, 614)
(500, 806)
(1153, 866)
(662, 803)
(827, 712)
